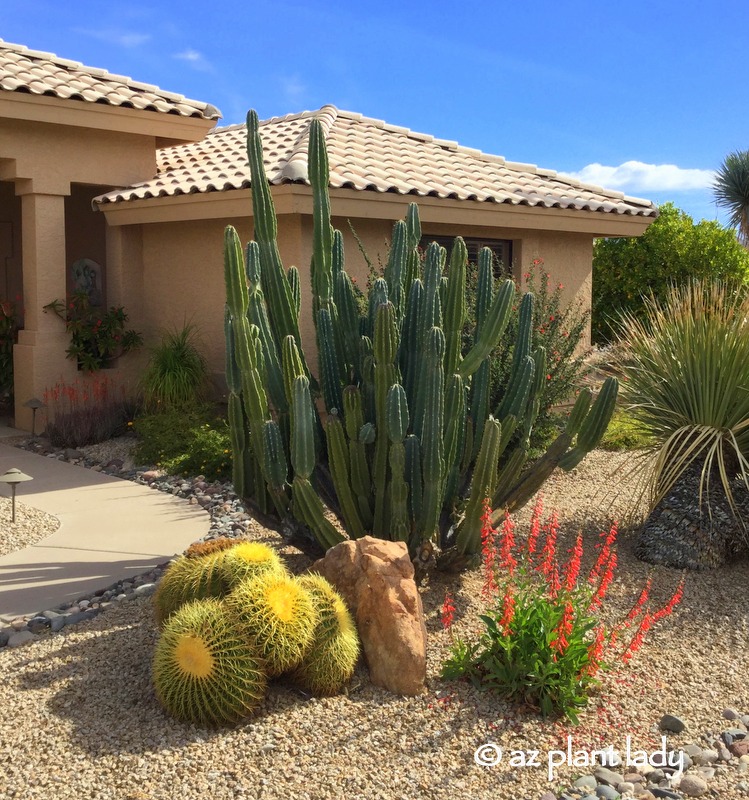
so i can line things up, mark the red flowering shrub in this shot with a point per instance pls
(543, 643)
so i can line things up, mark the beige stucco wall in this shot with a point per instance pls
(41, 161)
(181, 268)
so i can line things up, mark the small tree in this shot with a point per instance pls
(673, 250)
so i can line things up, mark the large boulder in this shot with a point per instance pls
(376, 579)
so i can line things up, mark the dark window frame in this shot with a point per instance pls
(502, 249)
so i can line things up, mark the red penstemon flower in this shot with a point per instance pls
(637, 639)
(608, 576)
(538, 510)
(508, 610)
(488, 552)
(506, 545)
(550, 547)
(672, 603)
(448, 611)
(572, 570)
(564, 629)
(640, 602)
(603, 555)
(595, 652)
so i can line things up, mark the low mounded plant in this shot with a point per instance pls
(625, 432)
(543, 642)
(177, 372)
(189, 441)
(90, 410)
(206, 669)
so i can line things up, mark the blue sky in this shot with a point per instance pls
(647, 98)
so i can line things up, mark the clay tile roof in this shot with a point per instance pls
(34, 72)
(369, 154)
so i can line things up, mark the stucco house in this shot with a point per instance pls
(141, 183)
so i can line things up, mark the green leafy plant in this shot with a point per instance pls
(673, 250)
(97, 337)
(9, 323)
(186, 441)
(407, 446)
(687, 370)
(625, 432)
(543, 642)
(86, 412)
(176, 373)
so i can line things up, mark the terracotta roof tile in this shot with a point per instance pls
(35, 72)
(368, 154)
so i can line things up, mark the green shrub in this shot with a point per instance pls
(176, 373)
(674, 249)
(625, 432)
(687, 370)
(97, 336)
(189, 441)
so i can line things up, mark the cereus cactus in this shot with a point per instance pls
(279, 614)
(205, 669)
(331, 659)
(407, 446)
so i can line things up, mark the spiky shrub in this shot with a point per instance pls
(187, 579)
(410, 439)
(687, 370)
(281, 616)
(331, 660)
(248, 560)
(205, 668)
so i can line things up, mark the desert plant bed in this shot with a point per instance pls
(84, 720)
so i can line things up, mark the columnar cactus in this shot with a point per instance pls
(409, 447)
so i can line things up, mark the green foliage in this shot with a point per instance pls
(189, 441)
(673, 250)
(731, 191)
(543, 643)
(176, 373)
(9, 322)
(625, 432)
(405, 385)
(97, 337)
(206, 669)
(687, 369)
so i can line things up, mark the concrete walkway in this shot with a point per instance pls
(110, 529)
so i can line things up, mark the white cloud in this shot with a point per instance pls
(196, 59)
(637, 176)
(292, 87)
(116, 36)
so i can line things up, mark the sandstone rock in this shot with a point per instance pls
(376, 579)
(692, 785)
(740, 748)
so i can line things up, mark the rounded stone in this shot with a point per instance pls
(693, 785)
(671, 723)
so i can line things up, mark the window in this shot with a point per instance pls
(502, 249)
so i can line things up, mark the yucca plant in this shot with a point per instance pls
(177, 371)
(686, 364)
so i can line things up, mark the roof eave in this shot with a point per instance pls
(297, 199)
(168, 129)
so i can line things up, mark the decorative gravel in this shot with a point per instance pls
(81, 721)
(30, 527)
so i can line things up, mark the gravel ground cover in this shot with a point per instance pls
(30, 527)
(81, 719)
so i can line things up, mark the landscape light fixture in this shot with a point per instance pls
(33, 404)
(14, 476)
